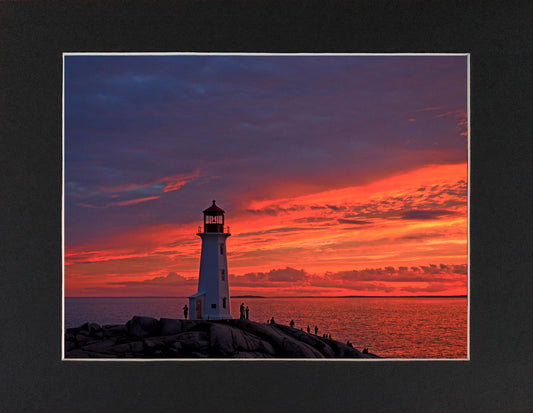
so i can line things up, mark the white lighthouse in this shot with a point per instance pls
(211, 302)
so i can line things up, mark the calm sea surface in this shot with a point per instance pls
(389, 327)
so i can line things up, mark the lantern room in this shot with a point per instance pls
(214, 219)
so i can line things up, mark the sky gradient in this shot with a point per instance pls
(339, 175)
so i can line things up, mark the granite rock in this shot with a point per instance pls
(147, 337)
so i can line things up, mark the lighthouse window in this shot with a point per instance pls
(222, 275)
(213, 306)
(224, 302)
(221, 249)
(216, 219)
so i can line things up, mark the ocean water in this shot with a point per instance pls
(411, 327)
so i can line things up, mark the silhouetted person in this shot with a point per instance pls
(292, 323)
(329, 336)
(308, 329)
(242, 311)
(272, 321)
(247, 312)
(365, 350)
(268, 321)
(185, 311)
(316, 330)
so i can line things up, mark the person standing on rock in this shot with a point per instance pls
(242, 311)
(292, 323)
(316, 330)
(185, 311)
(247, 312)
(308, 329)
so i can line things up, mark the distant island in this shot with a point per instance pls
(249, 296)
(166, 338)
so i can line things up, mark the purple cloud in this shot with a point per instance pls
(255, 126)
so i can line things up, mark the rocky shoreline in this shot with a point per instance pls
(146, 337)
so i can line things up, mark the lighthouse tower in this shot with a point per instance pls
(211, 302)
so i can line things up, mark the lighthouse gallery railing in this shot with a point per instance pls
(201, 229)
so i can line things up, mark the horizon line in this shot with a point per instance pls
(287, 296)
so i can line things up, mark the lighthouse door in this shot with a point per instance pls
(198, 308)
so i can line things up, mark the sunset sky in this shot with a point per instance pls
(339, 175)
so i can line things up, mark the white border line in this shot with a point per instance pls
(468, 163)
(209, 360)
(63, 211)
(252, 54)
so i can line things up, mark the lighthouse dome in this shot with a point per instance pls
(213, 210)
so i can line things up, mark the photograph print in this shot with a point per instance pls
(265, 206)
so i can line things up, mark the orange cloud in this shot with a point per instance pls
(427, 280)
(405, 220)
(173, 183)
(134, 201)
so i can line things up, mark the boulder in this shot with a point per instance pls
(69, 345)
(169, 326)
(83, 337)
(284, 345)
(100, 346)
(142, 326)
(199, 355)
(196, 325)
(70, 336)
(136, 347)
(115, 330)
(122, 349)
(145, 337)
(187, 325)
(77, 354)
(311, 339)
(193, 341)
(176, 346)
(251, 354)
(95, 355)
(225, 340)
(221, 340)
(264, 331)
(153, 344)
(292, 348)
(91, 327)
(345, 351)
